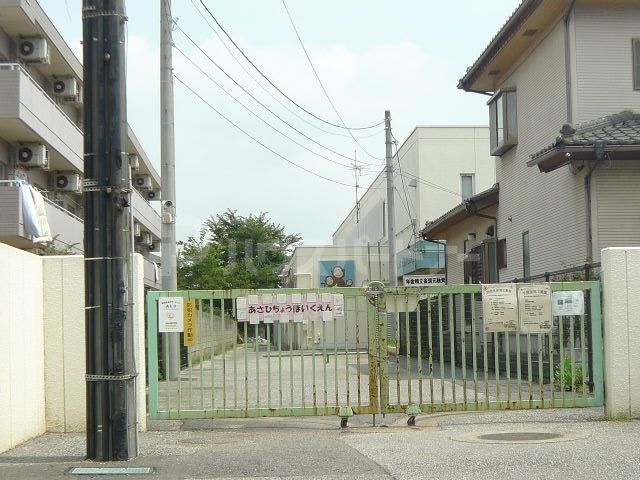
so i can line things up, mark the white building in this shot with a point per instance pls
(438, 167)
(41, 137)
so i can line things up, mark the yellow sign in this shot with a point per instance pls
(190, 331)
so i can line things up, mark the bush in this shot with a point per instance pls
(562, 375)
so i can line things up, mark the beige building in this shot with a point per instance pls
(557, 77)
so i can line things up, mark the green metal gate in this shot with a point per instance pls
(439, 358)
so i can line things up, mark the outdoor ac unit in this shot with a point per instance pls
(136, 229)
(33, 155)
(33, 50)
(145, 239)
(68, 182)
(142, 181)
(66, 87)
(153, 195)
(134, 162)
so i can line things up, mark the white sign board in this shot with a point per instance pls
(568, 303)
(534, 304)
(423, 280)
(500, 307)
(170, 314)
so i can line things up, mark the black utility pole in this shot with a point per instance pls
(111, 395)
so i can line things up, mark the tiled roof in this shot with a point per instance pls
(619, 129)
(464, 210)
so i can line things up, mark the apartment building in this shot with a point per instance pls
(41, 139)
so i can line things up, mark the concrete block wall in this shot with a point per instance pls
(22, 378)
(64, 346)
(42, 345)
(621, 320)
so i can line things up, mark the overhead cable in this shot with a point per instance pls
(326, 94)
(275, 86)
(256, 140)
(266, 90)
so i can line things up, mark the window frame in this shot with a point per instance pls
(473, 185)
(635, 61)
(507, 98)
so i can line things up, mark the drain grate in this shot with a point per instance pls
(111, 471)
(519, 436)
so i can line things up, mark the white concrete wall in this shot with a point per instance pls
(305, 270)
(64, 345)
(64, 348)
(22, 388)
(621, 280)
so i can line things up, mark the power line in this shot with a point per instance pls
(253, 113)
(255, 139)
(326, 94)
(256, 99)
(267, 91)
(275, 86)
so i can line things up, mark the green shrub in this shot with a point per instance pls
(562, 376)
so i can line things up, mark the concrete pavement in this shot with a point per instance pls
(440, 447)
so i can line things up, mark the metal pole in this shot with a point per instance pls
(110, 378)
(169, 280)
(391, 211)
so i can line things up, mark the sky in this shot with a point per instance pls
(405, 56)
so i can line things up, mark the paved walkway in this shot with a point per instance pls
(439, 447)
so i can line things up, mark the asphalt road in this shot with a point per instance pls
(439, 447)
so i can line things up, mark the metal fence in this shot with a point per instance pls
(439, 360)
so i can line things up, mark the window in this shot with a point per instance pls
(636, 63)
(3, 171)
(502, 253)
(503, 121)
(467, 189)
(526, 267)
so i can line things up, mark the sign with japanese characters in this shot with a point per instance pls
(423, 280)
(534, 308)
(568, 303)
(500, 307)
(296, 308)
(170, 314)
(190, 332)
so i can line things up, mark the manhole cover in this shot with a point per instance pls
(519, 436)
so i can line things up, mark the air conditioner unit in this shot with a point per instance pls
(142, 181)
(136, 229)
(33, 155)
(153, 195)
(134, 162)
(144, 239)
(33, 50)
(68, 182)
(66, 87)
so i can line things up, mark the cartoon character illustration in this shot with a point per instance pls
(338, 276)
(328, 281)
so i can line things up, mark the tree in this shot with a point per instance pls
(233, 251)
